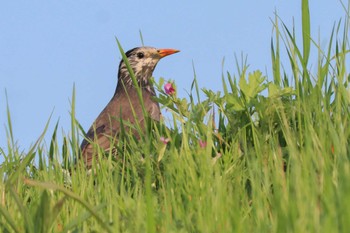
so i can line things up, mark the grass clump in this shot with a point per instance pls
(260, 156)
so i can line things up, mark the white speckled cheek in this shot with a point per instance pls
(147, 67)
(149, 62)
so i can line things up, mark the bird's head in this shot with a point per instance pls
(142, 60)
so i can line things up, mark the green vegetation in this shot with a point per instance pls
(262, 156)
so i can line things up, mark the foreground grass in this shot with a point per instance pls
(238, 161)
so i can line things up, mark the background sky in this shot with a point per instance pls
(48, 46)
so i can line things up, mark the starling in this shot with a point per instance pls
(125, 104)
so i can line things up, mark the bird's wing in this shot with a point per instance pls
(101, 137)
(107, 126)
(91, 135)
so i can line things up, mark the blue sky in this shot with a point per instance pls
(48, 46)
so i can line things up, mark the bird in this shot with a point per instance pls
(125, 104)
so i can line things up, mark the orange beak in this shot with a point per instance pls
(166, 52)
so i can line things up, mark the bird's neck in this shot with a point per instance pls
(147, 89)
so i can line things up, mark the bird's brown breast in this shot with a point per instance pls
(124, 106)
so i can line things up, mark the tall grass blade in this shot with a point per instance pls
(135, 82)
(10, 138)
(53, 143)
(70, 194)
(75, 222)
(132, 75)
(141, 37)
(275, 53)
(195, 82)
(74, 141)
(28, 223)
(305, 16)
(7, 216)
(30, 156)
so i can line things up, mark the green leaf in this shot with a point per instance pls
(277, 91)
(254, 85)
(273, 90)
(234, 102)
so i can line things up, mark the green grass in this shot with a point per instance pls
(276, 157)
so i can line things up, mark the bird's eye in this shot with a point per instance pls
(140, 55)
